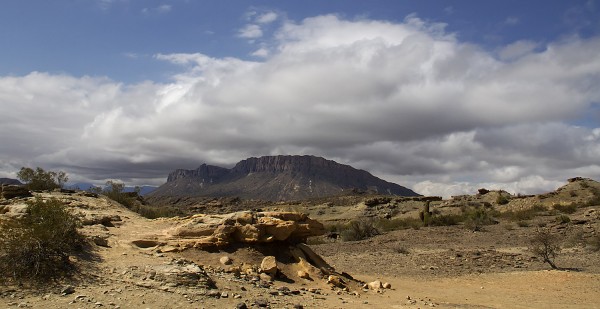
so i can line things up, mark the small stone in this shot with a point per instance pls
(298, 306)
(335, 281)
(261, 302)
(225, 260)
(304, 275)
(269, 265)
(387, 285)
(237, 296)
(69, 289)
(224, 295)
(213, 293)
(241, 306)
(375, 285)
(265, 277)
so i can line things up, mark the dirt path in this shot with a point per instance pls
(531, 289)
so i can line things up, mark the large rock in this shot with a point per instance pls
(201, 231)
(12, 191)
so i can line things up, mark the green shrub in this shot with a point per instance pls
(563, 219)
(566, 209)
(37, 246)
(359, 230)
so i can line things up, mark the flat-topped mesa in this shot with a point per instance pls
(287, 163)
(274, 178)
(203, 172)
(207, 231)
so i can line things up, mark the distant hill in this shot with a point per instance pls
(9, 181)
(275, 178)
(85, 186)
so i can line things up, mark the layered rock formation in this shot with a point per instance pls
(217, 231)
(275, 178)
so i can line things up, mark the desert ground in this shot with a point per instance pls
(429, 266)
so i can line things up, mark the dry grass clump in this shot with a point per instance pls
(360, 229)
(566, 209)
(523, 215)
(37, 247)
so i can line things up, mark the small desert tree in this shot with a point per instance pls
(114, 190)
(40, 179)
(544, 244)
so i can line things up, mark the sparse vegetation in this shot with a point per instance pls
(446, 220)
(476, 217)
(522, 215)
(563, 219)
(114, 191)
(399, 224)
(566, 209)
(502, 200)
(545, 245)
(37, 247)
(40, 179)
(360, 229)
(400, 249)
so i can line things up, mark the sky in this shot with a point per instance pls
(443, 97)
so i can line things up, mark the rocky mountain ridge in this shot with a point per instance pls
(276, 178)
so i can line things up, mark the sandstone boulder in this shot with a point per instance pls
(203, 231)
(269, 266)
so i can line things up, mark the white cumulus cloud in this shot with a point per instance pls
(407, 101)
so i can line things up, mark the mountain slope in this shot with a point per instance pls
(276, 178)
(9, 181)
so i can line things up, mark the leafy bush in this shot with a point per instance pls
(37, 246)
(39, 179)
(566, 209)
(544, 244)
(359, 230)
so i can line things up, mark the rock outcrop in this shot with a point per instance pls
(218, 231)
(12, 191)
(275, 178)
